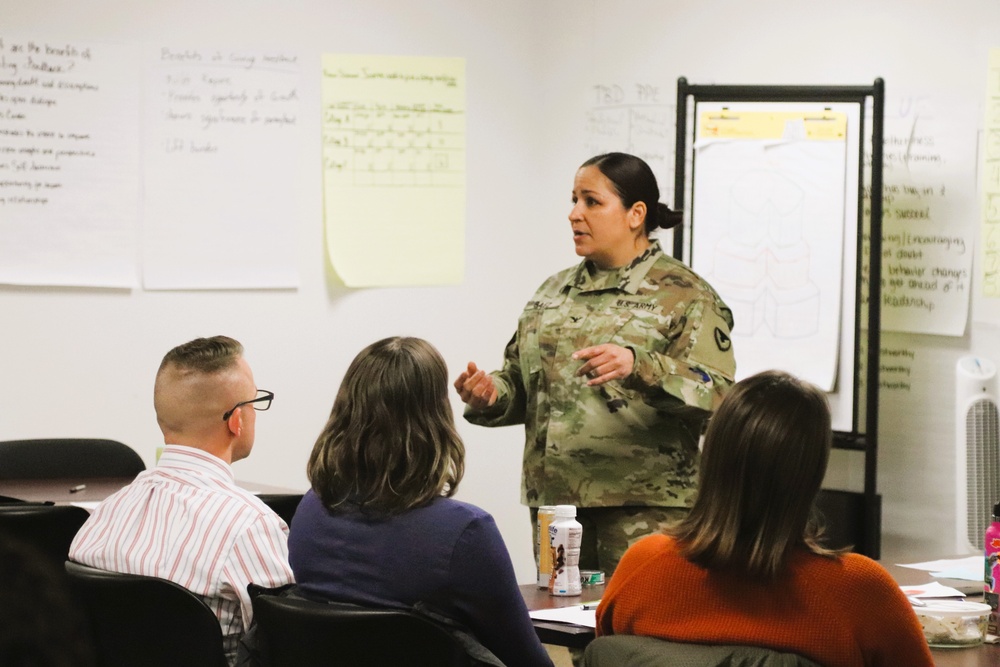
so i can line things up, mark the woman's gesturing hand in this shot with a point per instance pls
(476, 388)
(605, 363)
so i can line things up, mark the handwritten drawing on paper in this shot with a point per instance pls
(394, 133)
(636, 118)
(222, 127)
(989, 279)
(926, 216)
(68, 163)
(379, 144)
(768, 234)
(762, 263)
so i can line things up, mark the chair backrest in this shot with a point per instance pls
(283, 504)
(50, 458)
(137, 620)
(294, 632)
(50, 528)
(40, 622)
(637, 651)
(844, 518)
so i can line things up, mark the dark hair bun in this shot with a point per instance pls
(667, 218)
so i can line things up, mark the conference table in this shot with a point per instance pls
(95, 489)
(984, 655)
(89, 489)
(561, 634)
(555, 633)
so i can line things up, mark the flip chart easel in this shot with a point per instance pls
(853, 517)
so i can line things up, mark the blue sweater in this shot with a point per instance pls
(448, 555)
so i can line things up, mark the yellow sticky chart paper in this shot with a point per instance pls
(777, 125)
(394, 169)
(990, 232)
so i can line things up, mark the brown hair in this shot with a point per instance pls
(205, 355)
(765, 454)
(390, 443)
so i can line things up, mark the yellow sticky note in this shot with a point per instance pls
(822, 125)
(394, 169)
(990, 230)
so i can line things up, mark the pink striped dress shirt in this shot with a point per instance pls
(187, 521)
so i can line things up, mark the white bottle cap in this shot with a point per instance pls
(566, 511)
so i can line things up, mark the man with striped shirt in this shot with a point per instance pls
(186, 520)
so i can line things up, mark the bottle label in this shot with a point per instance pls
(992, 570)
(565, 539)
(545, 517)
(991, 577)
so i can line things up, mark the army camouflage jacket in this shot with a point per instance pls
(627, 442)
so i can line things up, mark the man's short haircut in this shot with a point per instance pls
(205, 355)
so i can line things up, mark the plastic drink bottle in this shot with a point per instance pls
(565, 536)
(991, 581)
(545, 515)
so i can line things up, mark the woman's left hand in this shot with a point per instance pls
(605, 363)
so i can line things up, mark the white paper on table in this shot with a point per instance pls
(574, 614)
(969, 567)
(932, 590)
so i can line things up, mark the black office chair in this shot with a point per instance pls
(283, 504)
(637, 651)
(137, 620)
(295, 632)
(51, 458)
(843, 514)
(40, 624)
(50, 528)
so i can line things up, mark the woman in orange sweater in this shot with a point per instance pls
(745, 566)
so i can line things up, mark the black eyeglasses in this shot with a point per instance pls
(262, 402)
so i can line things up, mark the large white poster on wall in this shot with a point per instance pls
(221, 169)
(768, 232)
(928, 215)
(69, 142)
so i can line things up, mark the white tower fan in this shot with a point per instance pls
(977, 460)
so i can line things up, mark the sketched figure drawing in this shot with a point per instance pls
(762, 264)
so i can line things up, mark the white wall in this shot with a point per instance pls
(919, 48)
(78, 362)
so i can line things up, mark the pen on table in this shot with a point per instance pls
(78, 487)
(587, 606)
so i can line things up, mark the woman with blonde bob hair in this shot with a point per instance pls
(379, 527)
(746, 566)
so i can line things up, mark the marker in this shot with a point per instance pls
(78, 487)
(591, 605)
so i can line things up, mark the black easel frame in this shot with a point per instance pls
(868, 511)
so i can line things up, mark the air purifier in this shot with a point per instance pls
(977, 444)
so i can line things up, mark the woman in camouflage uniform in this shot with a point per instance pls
(615, 365)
